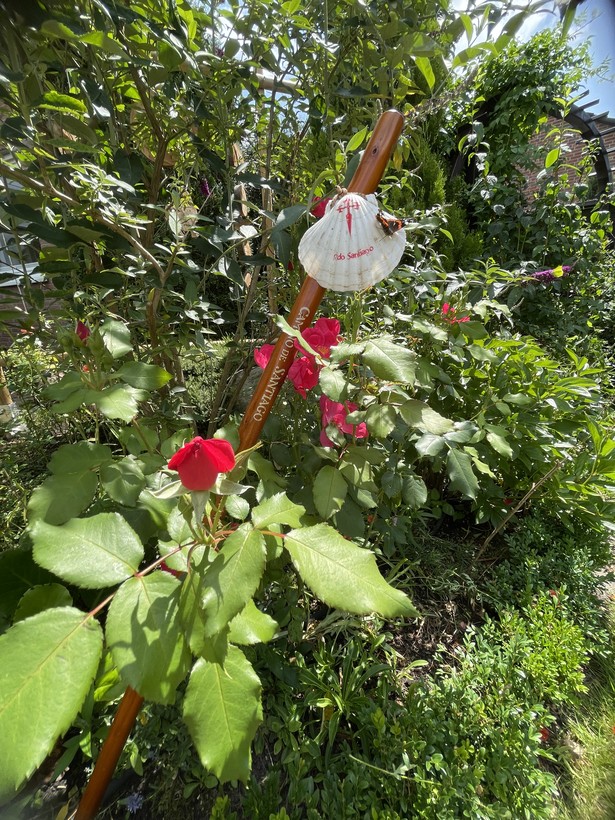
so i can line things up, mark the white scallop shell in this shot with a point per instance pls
(348, 249)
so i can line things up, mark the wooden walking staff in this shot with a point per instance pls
(365, 181)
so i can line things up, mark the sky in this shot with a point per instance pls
(594, 21)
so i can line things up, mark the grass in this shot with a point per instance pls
(590, 794)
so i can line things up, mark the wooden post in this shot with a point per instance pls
(6, 401)
(365, 181)
(5, 396)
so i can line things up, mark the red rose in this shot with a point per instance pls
(449, 315)
(322, 336)
(199, 461)
(262, 355)
(82, 330)
(333, 412)
(303, 374)
(320, 206)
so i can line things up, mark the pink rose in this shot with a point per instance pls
(333, 412)
(199, 461)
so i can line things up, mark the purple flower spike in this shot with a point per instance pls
(544, 275)
(204, 188)
(549, 275)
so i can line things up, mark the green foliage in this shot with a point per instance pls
(54, 640)
(566, 561)
(164, 194)
(465, 743)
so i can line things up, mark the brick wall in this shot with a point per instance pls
(576, 144)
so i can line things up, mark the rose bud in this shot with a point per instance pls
(199, 461)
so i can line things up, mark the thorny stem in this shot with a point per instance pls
(94, 612)
(517, 507)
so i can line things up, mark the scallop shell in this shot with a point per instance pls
(348, 249)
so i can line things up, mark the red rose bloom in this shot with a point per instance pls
(262, 355)
(333, 412)
(322, 336)
(303, 374)
(199, 461)
(320, 206)
(448, 314)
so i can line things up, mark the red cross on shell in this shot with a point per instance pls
(348, 249)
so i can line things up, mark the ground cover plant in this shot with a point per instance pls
(386, 609)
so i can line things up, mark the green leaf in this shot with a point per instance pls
(391, 483)
(193, 618)
(48, 664)
(342, 574)
(123, 480)
(252, 626)
(277, 510)
(169, 57)
(429, 445)
(418, 414)
(40, 598)
(424, 66)
(75, 126)
(104, 43)
(357, 140)
(116, 337)
(381, 419)
(333, 384)
(552, 157)
(265, 471)
(237, 507)
(499, 444)
(120, 401)
(390, 361)
(69, 384)
(222, 711)
(329, 491)
(62, 102)
(145, 638)
(77, 458)
(460, 473)
(54, 28)
(233, 577)
(62, 497)
(94, 552)
(349, 520)
(414, 492)
(418, 43)
(289, 216)
(345, 350)
(142, 375)
(18, 574)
